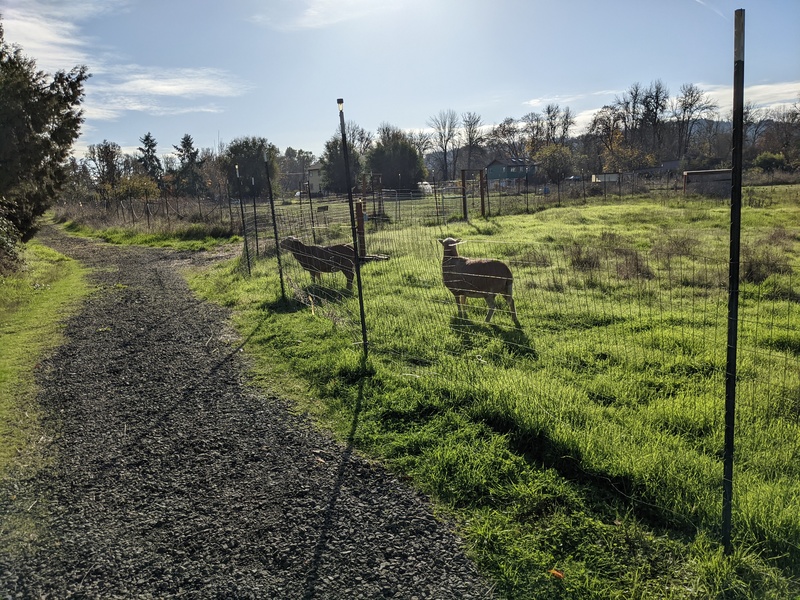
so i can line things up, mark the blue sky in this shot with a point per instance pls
(274, 68)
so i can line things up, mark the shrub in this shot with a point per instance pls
(632, 265)
(760, 261)
(583, 259)
(9, 236)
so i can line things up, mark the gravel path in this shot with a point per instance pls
(172, 478)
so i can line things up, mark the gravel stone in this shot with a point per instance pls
(170, 476)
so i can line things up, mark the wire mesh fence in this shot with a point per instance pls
(618, 367)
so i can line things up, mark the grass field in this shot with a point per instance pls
(588, 442)
(33, 304)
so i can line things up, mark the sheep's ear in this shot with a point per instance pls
(459, 241)
(441, 241)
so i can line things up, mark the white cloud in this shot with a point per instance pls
(159, 92)
(138, 81)
(51, 33)
(54, 44)
(49, 30)
(318, 14)
(560, 100)
(762, 95)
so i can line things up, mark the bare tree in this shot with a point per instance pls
(565, 125)
(533, 129)
(421, 140)
(358, 137)
(551, 118)
(630, 108)
(688, 109)
(508, 139)
(755, 123)
(654, 106)
(445, 137)
(782, 134)
(474, 136)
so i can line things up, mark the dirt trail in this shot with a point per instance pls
(172, 478)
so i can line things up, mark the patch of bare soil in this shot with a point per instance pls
(171, 477)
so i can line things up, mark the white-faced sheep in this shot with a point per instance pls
(476, 278)
(322, 259)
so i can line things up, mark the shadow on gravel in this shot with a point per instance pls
(309, 593)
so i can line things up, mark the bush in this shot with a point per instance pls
(760, 261)
(583, 259)
(9, 237)
(632, 265)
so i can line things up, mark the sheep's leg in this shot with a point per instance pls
(510, 301)
(461, 301)
(490, 302)
(349, 275)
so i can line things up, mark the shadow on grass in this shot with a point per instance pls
(515, 341)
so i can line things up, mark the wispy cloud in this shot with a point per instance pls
(544, 101)
(54, 42)
(770, 95)
(50, 31)
(709, 6)
(189, 83)
(291, 15)
(160, 92)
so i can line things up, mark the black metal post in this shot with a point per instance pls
(255, 214)
(274, 224)
(311, 211)
(356, 253)
(733, 278)
(244, 226)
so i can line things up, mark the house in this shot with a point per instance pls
(509, 168)
(314, 179)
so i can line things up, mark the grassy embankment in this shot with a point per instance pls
(33, 305)
(197, 236)
(587, 444)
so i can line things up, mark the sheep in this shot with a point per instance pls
(476, 278)
(322, 259)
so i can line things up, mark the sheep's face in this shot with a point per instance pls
(450, 246)
(289, 242)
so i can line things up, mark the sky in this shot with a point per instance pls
(275, 68)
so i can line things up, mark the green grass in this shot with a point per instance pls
(589, 441)
(197, 236)
(33, 305)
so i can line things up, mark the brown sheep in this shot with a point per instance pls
(476, 278)
(322, 259)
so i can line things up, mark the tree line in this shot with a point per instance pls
(644, 127)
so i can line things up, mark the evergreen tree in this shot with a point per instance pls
(148, 158)
(189, 179)
(40, 119)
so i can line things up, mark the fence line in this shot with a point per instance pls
(619, 364)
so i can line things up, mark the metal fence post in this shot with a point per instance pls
(274, 224)
(244, 225)
(356, 253)
(733, 279)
